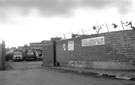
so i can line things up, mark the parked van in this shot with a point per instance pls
(30, 55)
(39, 55)
(17, 56)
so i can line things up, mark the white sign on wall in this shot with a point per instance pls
(64, 47)
(93, 41)
(70, 45)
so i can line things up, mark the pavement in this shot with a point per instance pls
(127, 75)
(50, 77)
(32, 73)
(23, 65)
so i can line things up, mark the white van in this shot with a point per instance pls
(17, 56)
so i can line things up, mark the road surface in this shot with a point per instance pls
(27, 75)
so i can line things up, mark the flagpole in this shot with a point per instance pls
(122, 25)
(107, 27)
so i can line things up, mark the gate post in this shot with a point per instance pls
(48, 54)
(2, 56)
(54, 53)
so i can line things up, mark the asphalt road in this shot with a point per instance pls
(31, 73)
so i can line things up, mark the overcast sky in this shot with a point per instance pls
(25, 21)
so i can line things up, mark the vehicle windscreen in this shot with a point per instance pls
(17, 53)
(30, 53)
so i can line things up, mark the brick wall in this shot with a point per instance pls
(117, 51)
(48, 53)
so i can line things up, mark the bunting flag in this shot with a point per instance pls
(97, 28)
(130, 24)
(115, 25)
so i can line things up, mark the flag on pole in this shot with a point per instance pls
(130, 24)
